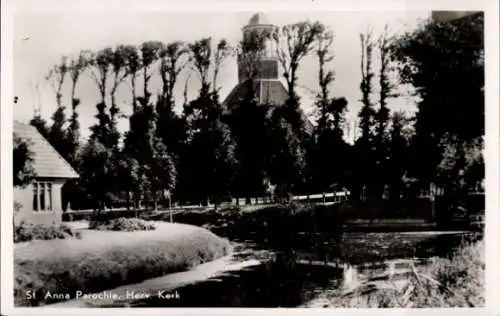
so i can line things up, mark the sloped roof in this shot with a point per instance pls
(46, 160)
(274, 92)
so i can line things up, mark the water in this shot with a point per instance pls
(285, 276)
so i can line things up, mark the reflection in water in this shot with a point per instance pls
(302, 266)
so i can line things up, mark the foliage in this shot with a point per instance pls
(398, 158)
(294, 42)
(77, 66)
(28, 232)
(173, 60)
(208, 137)
(40, 124)
(247, 144)
(22, 162)
(96, 175)
(444, 62)
(288, 157)
(123, 224)
(330, 150)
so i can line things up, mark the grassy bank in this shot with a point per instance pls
(454, 282)
(102, 260)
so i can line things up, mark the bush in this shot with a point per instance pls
(123, 224)
(27, 232)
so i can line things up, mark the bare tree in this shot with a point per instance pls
(325, 77)
(294, 42)
(76, 67)
(133, 65)
(201, 52)
(386, 86)
(173, 59)
(57, 76)
(149, 55)
(367, 112)
(101, 64)
(222, 52)
(120, 73)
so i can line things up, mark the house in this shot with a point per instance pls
(40, 201)
(270, 86)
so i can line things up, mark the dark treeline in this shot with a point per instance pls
(210, 153)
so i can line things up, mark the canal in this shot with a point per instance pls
(286, 273)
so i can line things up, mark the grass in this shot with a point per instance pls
(454, 282)
(107, 259)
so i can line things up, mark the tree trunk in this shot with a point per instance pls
(134, 106)
(128, 200)
(170, 208)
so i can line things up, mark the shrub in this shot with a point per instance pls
(27, 232)
(123, 224)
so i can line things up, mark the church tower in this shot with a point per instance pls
(270, 87)
(267, 64)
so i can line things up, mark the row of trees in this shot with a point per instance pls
(210, 152)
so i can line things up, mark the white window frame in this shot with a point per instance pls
(45, 188)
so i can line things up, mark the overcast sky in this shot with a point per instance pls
(41, 39)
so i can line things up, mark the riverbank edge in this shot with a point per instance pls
(45, 273)
(458, 281)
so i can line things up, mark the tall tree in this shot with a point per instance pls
(365, 145)
(397, 167)
(294, 42)
(149, 55)
(133, 65)
(288, 157)
(96, 175)
(367, 112)
(101, 68)
(329, 154)
(173, 60)
(120, 72)
(77, 66)
(444, 62)
(154, 169)
(247, 120)
(56, 136)
(382, 115)
(211, 140)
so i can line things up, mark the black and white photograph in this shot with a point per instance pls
(249, 159)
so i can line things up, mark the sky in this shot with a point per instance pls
(42, 38)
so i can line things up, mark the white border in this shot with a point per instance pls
(492, 131)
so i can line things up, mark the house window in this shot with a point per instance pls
(42, 196)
